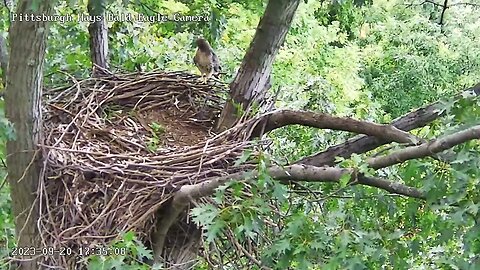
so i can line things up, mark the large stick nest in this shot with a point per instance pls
(118, 146)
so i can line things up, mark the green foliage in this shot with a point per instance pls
(145, 45)
(412, 61)
(157, 131)
(126, 253)
(344, 12)
(7, 229)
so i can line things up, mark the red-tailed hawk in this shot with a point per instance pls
(206, 60)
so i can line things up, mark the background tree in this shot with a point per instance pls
(98, 32)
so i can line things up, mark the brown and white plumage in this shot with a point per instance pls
(206, 60)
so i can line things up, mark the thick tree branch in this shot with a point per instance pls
(330, 174)
(362, 144)
(425, 149)
(297, 172)
(282, 118)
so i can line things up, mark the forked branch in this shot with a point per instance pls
(361, 144)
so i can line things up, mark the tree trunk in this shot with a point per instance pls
(252, 79)
(181, 252)
(176, 239)
(23, 109)
(3, 58)
(98, 35)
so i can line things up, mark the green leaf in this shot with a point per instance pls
(279, 192)
(128, 236)
(117, 262)
(357, 159)
(204, 215)
(344, 180)
(97, 263)
(142, 251)
(244, 157)
(214, 229)
(282, 246)
(395, 235)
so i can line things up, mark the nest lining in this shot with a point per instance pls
(117, 147)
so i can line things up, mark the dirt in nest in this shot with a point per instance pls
(171, 129)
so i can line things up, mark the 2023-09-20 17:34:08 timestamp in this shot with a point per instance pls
(66, 251)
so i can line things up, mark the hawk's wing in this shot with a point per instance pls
(216, 63)
(195, 59)
(203, 62)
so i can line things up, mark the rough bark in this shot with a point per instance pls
(98, 35)
(362, 144)
(3, 58)
(23, 109)
(252, 79)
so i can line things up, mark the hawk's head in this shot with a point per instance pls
(203, 45)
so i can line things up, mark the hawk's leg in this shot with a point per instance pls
(208, 76)
(202, 78)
